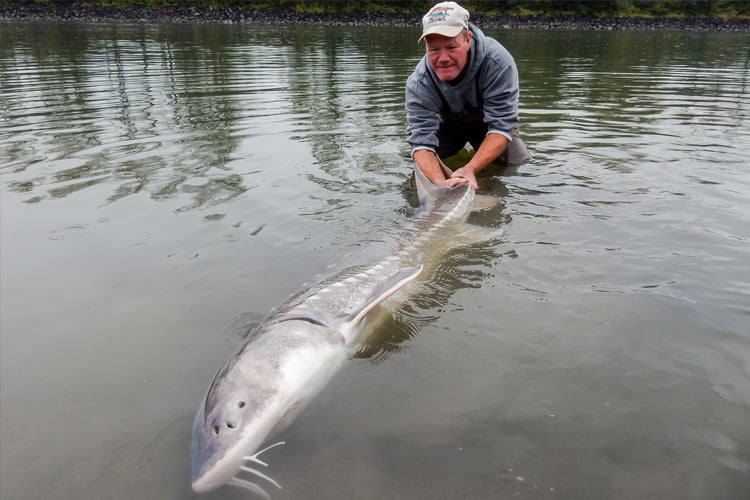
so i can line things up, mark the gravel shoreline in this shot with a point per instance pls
(193, 14)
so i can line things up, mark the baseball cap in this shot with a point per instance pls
(446, 19)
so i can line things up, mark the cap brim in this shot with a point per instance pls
(446, 31)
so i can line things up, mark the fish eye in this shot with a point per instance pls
(240, 404)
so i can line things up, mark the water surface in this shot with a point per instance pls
(164, 186)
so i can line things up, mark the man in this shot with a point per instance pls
(465, 89)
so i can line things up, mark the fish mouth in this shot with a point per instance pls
(218, 476)
(207, 483)
(212, 463)
(204, 486)
(207, 478)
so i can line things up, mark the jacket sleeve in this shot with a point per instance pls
(499, 84)
(422, 113)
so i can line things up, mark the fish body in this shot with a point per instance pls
(287, 360)
(280, 368)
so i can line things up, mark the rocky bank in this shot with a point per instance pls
(193, 14)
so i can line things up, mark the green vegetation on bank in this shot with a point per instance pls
(717, 9)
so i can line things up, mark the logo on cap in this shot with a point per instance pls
(438, 14)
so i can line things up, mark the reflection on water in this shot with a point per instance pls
(165, 186)
(459, 268)
(166, 109)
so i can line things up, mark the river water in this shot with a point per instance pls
(164, 186)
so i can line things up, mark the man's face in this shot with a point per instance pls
(448, 56)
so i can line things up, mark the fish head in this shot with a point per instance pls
(227, 427)
(257, 393)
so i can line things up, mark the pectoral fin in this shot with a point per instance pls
(383, 290)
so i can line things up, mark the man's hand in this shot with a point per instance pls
(492, 146)
(463, 175)
(454, 181)
(430, 164)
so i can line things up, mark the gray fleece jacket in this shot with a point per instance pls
(488, 92)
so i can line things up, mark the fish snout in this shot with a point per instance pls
(220, 441)
(212, 463)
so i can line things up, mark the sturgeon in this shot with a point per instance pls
(287, 360)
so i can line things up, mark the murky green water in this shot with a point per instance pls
(163, 187)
